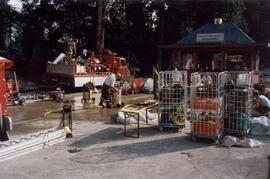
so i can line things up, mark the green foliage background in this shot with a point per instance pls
(134, 28)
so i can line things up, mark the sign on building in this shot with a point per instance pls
(210, 37)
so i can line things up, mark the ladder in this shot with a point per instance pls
(29, 143)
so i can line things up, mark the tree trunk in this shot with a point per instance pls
(161, 33)
(3, 6)
(100, 25)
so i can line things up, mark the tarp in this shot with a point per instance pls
(232, 35)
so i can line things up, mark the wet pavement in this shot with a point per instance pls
(102, 151)
(32, 116)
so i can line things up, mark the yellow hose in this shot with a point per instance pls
(58, 113)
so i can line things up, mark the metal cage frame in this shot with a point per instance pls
(171, 98)
(238, 102)
(205, 106)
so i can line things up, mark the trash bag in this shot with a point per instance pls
(229, 141)
(260, 126)
(152, 116)
(148, 86)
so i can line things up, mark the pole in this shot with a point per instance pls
(16, 82)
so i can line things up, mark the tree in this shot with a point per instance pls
(100, 33)
(4, 9)
(234, 12)
(133, 28)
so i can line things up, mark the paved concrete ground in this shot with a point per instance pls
(106, 153)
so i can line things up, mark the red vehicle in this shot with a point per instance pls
(5, 120)
(75, 72)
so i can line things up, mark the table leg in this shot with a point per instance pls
(158, 117)
(138, 132)
(146, 116)
(125, 123)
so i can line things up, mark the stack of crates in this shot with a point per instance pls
(206, 104)
(171, 90)
(238, 103)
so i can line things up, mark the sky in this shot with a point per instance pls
(17, 4)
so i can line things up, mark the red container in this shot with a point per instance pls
(206, 103)
(211, 127)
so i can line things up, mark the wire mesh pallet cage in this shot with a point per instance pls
(206, 104)
(171, 89)
(238, 102)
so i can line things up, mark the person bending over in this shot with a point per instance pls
(107, 86)
(262, 103)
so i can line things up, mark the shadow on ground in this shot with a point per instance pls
(135, 150)
(116, 134)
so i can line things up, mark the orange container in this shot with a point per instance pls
(207, 128)
(206, 103)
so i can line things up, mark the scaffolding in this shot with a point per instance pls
(238, 103)
(206, 104)
(171, 95)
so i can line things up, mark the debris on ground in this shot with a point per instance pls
(188, 154)
(229, 141)
(74, 150)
